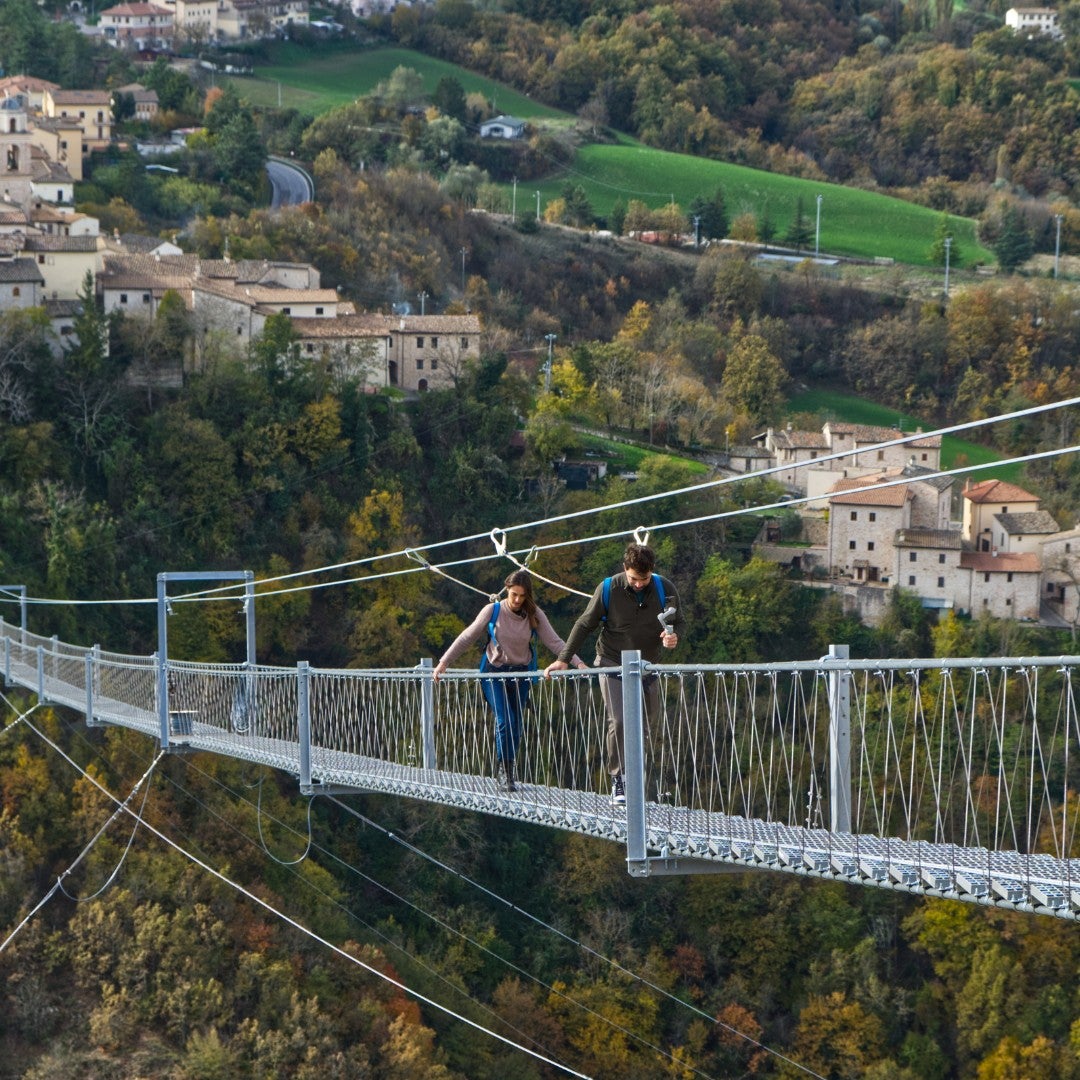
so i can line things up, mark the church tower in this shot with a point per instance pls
(16, 169)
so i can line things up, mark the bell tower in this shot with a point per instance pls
(16, 170)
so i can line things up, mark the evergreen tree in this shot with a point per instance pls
(711, 214)
(800, 231)
(937, 248)
(1014, 244)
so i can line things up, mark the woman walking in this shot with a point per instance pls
(511, 628)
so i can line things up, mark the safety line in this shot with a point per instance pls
(121, 807)
(566, 937)
(230, 591)
(266, 905)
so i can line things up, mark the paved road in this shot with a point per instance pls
(290, 183)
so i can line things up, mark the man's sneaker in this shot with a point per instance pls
(618, 792)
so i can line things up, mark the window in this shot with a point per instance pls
(870, 546)
(464, 342)
(286, 311)
(986, 577)
(434, 363)
(1008, 576)
(1004, 509)
(41, 260)
(419, 363)
(881, 455)
(419, 342)
(434, 342)
(911, 580)
(309, 348)
(146, 298)
(854, 515)
(318, 311)
(239, 331)
(941, 583)
(925, 456)
(123, 298)
(873, 516)
(913, 556)
(851, 545)
(16, 291)
(941, 558)
(1008, 603)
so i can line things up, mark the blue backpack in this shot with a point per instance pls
(606, 594)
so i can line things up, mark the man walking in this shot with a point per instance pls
(627, 608)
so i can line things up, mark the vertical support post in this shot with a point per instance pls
(839, 744)
(55, 656)
(162, 663)
(249, 612)
(637, 862)
(41, 674)
(303, 720)
(427, 711)
(7, 661)
(89, 679)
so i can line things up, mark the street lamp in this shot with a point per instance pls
(550, 339)
(1057, 245)
(421, 296)
(948, 250)
(817, 230)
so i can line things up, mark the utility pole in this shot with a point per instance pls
(513, 204)
(1057, 245)
(948, 250)
(538, 206)
(550, 339)
(421, 296)
(463, 271)
(697, 231)
(817, 230)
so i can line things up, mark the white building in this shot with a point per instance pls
(983, 503)
(1030, 21)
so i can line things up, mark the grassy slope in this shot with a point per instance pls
(339, 75)
(853, 222)
(954, 451)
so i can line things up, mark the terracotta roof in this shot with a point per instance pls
(253, 295)
(80, 97)
(133, 271)
(1003, 562)
(851, 491)
(26, 83)
(81, 244)
(136, 9)
(17, 271)
(871, 433)
(1034, 521)
(801, 440)
(949, 539)
(12, 217)
(58, 309)
(998, 491)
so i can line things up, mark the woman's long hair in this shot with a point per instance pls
(523, 579)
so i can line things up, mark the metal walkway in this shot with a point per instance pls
(953, 778)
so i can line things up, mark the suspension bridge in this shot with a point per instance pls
(947, 778)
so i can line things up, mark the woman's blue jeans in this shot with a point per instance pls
(507, 698)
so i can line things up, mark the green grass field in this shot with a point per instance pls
(853, 222)
(338, 74)
(955, 452)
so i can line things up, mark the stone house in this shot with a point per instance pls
(137, 26)
(21, 283)
(90, 109)
(1005, 585)
(984, 502)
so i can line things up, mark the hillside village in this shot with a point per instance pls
(877, 514)
(47, 249)
(873, 518)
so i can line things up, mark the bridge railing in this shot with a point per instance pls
(978, 753)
